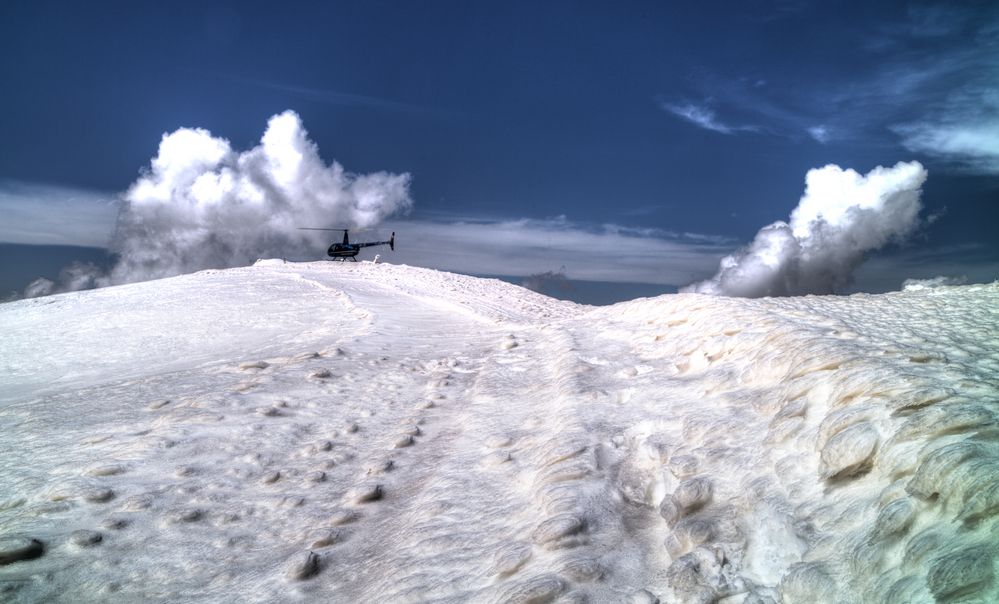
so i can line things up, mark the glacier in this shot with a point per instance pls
(374, 432)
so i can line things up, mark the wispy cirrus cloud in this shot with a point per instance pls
(938, 91)
(524, 247)
(962, 126)
(45, 214)
(968, 140)
(700, 116)
(820, 134)
(337, 97)
(703, 116)
(927, 82)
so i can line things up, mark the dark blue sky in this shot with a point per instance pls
(683, 117)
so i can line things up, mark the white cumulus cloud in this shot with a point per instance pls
(939, 281)
(842, 216)
(204, 205)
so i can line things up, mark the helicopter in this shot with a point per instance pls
(346, 249)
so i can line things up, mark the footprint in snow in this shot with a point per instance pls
(302, 566)
(85, 538)
(365, 493)
(344, 516)
(99, 495)
(249, 365)
(496, 458)
(156, 405)
(106, 470)
(379, 467)
(325, 538)
(14, 548)
(404, 440)
(498, 440)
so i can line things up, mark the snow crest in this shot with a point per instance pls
(371, 432)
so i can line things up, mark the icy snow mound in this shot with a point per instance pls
(855, 439)
(363, 432)
(148, 328)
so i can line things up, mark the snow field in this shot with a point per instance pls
(362, 432)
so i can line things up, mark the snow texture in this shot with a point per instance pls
(379, 433)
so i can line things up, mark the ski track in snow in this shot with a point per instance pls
(378, 433)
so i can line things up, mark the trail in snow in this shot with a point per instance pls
(383, 433)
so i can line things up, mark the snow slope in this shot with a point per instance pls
(378, 433)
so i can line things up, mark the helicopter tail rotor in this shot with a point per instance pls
(392, 242)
